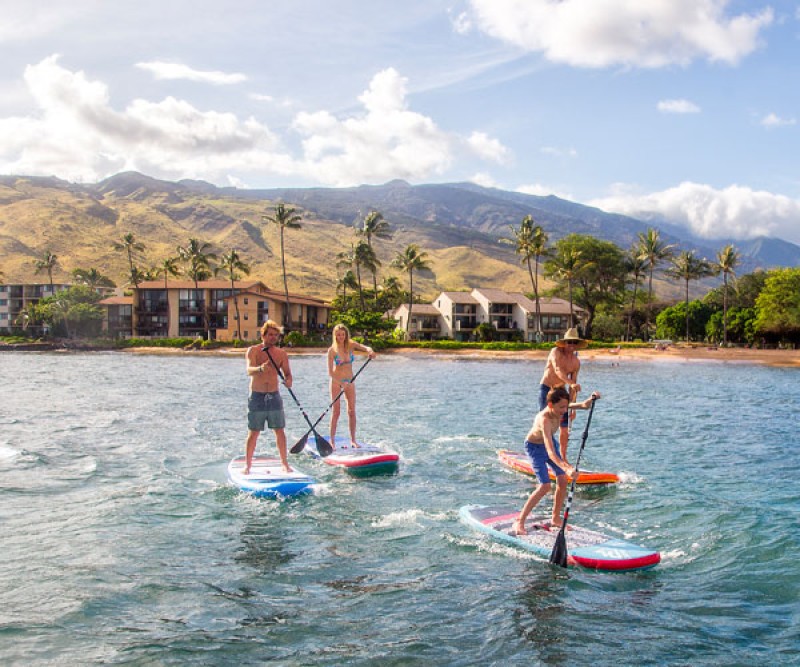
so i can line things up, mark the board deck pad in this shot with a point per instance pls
(520, 462)
(268, 479)
(363, 458)
(586, 548)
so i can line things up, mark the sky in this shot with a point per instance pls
(683, 110)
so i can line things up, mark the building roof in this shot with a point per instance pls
(460, 297)
(419, 309)
(116, 301)
(202, 284)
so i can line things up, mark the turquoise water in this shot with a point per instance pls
(123, 544)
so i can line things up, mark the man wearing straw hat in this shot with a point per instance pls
(562, 371)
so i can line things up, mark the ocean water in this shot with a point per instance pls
(122, 543)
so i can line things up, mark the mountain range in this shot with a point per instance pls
(458, 225)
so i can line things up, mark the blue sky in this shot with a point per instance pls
(685, 109)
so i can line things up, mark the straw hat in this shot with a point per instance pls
(571, 336)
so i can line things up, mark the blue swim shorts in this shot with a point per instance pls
(265, 408)
(540, 460)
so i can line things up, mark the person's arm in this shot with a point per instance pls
(363, 348)
(551, 451)
(585, 405)
(252, 368)
(331, 365)
(287, 370)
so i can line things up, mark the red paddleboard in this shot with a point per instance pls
(521, 463)
(362, 460)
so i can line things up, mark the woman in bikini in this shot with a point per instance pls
(341, 356)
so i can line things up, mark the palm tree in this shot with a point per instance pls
(168, 267)
(199, 260)
(284, 218)
(565, 266)
(232, 264)
(92, 278)
(687, 266)
(410, 260)
(636, 266)
(348, 280)
(129, 245)
(47, 263)
(365, 257)
(653, 250)
(727, 260)
(374, 225)
(530, 241)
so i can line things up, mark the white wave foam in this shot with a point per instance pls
(7, 452)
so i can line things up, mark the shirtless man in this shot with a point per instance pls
(562, 370)
(543, 451)
(264, 405)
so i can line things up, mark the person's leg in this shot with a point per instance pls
(558, 499)
(249, 450)
(280, 441)
(350, 395)
(533, 499)
(337, 406)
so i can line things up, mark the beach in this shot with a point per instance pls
(690, 353)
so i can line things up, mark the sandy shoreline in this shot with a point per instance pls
(777, 358)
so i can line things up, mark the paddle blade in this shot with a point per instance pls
(299, 445)
(323, 446)
(559, 553)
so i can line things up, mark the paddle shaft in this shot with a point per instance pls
(333, 402)
(319, 438)
(559, 554)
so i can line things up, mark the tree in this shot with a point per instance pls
(563, 267)
(374, 225)
(409, 260)
(130, 246)
(232, 264)
(364, 257)
(778, 304)
(284, 218)
(687, 267)
(199, 262)
(727, 260)
(74, 311)
(635, 265)
(92, 278)
(654, 251)
(530, 242)
(47, 263)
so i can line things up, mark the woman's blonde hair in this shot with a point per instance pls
(342, 327)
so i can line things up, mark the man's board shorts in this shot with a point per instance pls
(540, 460)
(265, 408)
(543, 391)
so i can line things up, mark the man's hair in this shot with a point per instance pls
(557, 395)
(270, 324)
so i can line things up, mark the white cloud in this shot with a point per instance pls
(484, 180)
(75, 133)
(733, 212)
(171, 71)
(678, 106)
(773, 120)
(603, 33)
(386, 141)
(559, 152)
(488, 148)
(542, 190)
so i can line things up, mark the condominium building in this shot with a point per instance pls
(512, 316)
(16, 297)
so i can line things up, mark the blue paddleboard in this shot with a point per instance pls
(267, 478)
(587, 548)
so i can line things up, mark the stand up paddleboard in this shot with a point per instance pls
(267, 479)
(586, 548)
(361, 461)
(521, 463)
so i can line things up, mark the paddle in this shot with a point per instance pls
(298, 446)
(559, 554)
(323, 446)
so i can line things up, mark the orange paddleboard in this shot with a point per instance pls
(521, 463)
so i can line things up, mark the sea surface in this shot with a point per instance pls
(121, 542)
